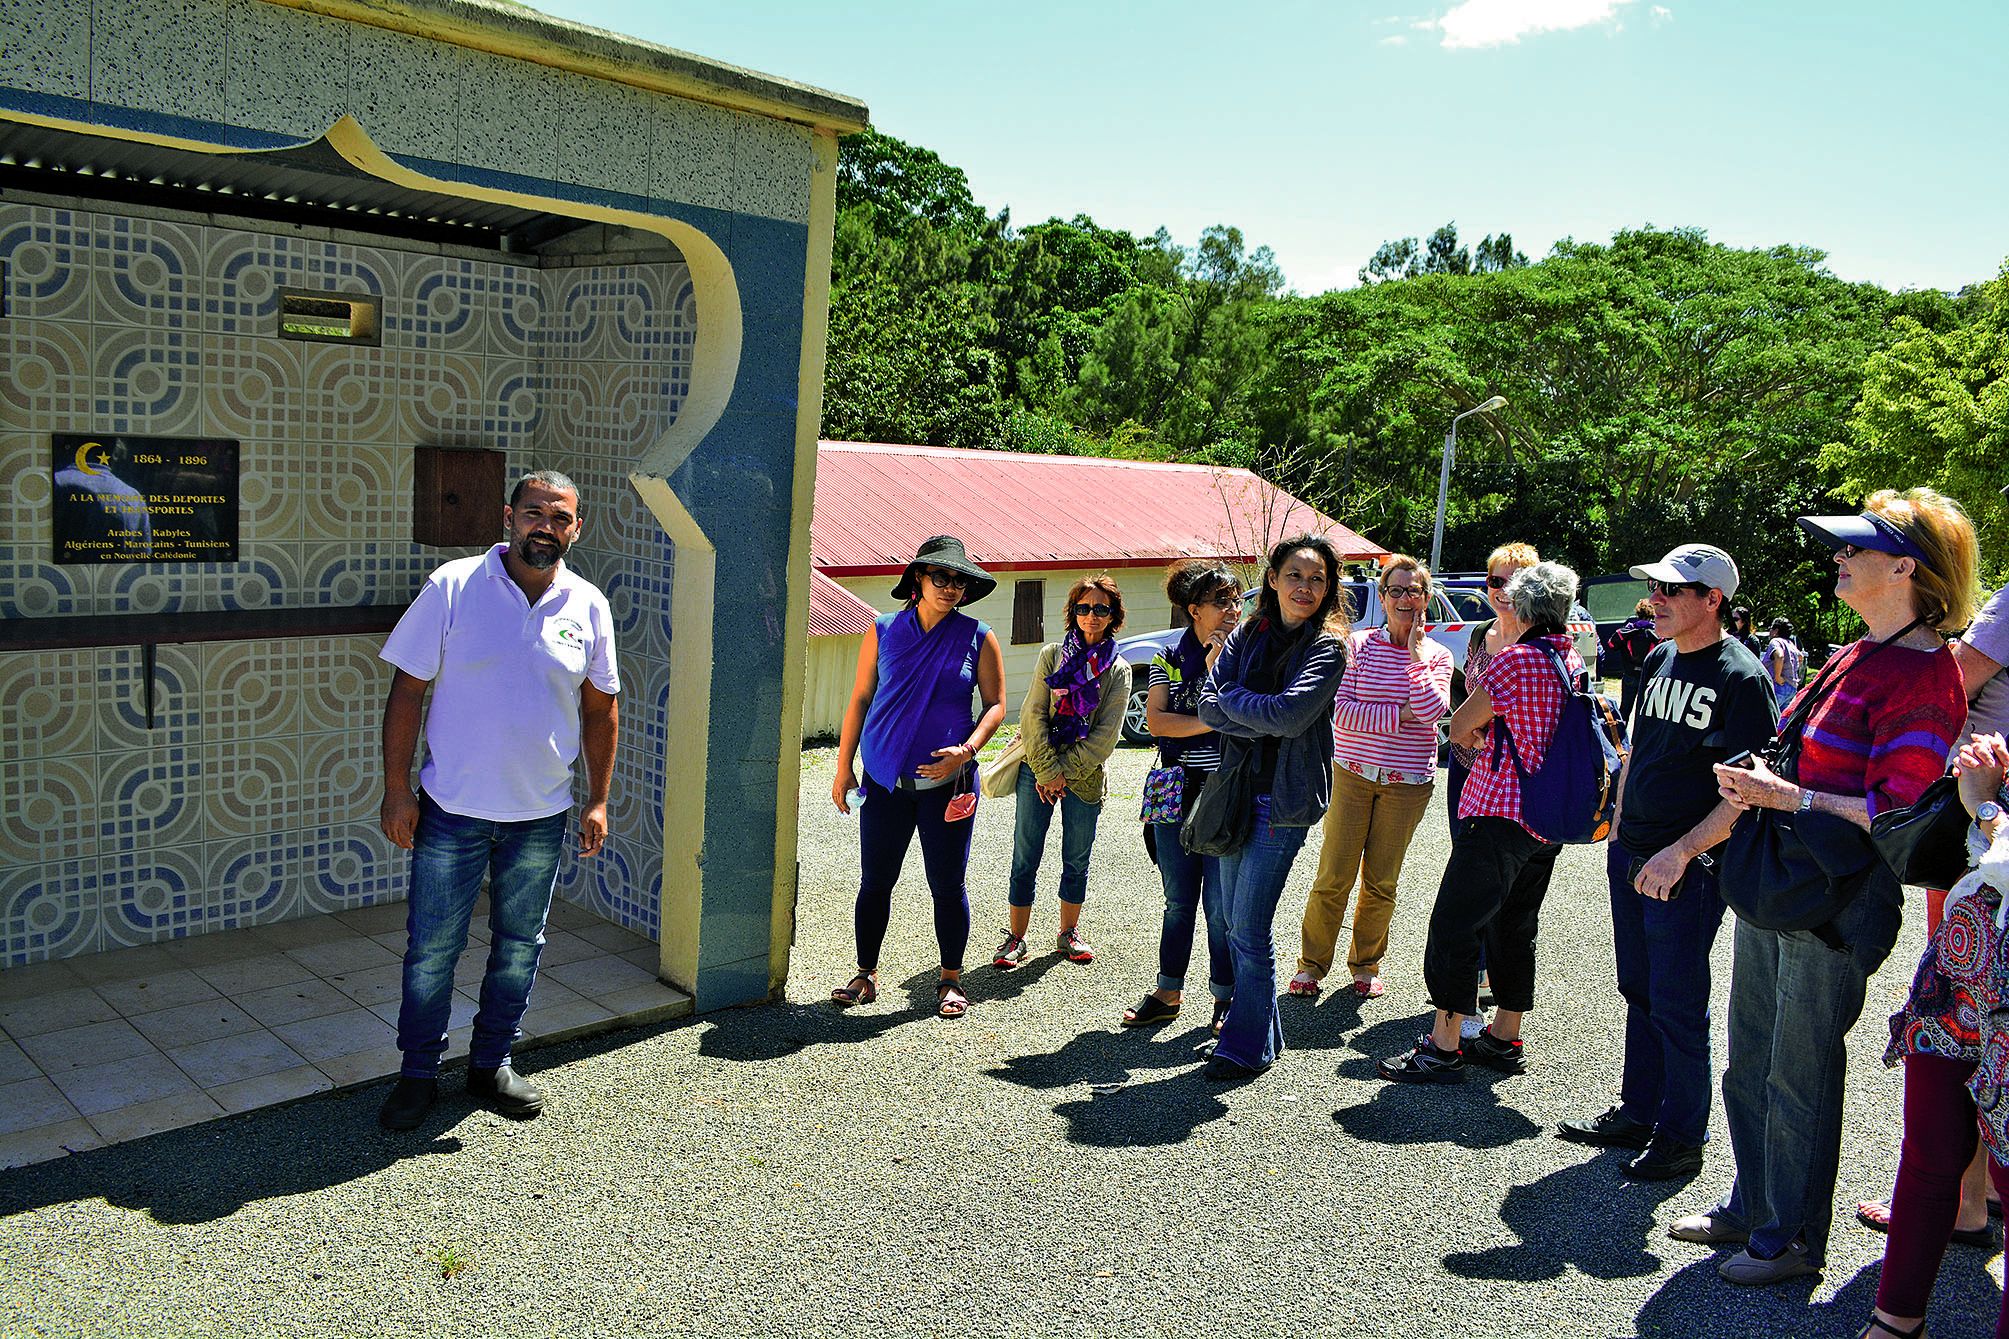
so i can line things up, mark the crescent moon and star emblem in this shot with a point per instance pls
(84, 457)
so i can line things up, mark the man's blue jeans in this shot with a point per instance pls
(1663, 973)
(450, 858)
(1792, 1001)
(1253, 879)
(1077, 839)
(1192, 887)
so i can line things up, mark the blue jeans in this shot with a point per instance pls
(1077, 839)
(1192, 886)
(1663, 973)
(451, 856)
(1792, 1001)
(1253, 881)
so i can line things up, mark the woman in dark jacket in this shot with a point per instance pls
(1270, 697)
(1212, 600)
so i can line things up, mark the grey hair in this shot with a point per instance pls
(551, 479)
(1542, 595)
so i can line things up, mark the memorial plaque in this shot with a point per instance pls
(144, 499)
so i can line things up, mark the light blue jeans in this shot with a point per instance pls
(1077, 840)
(1253, 881)
(1192, 889)
(1792, 1001)
(451, 856)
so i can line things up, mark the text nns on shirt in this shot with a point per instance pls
(502, 733)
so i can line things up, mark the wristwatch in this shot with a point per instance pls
(1806, 800)
(1987, 811)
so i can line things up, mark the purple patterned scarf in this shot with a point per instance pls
(1076, 685)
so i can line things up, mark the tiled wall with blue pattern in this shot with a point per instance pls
(254, 796)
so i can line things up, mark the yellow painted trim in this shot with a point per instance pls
(715, 366)
(795, 621)
(598, 54)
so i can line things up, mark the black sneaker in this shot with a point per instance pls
(1488, 1050)
(1424, 1063)
(1613, 1129)
(1666, 1159)
(408, 1103)
(507, 1091)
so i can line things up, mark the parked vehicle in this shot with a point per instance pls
(1611, 601)
(1467, 592)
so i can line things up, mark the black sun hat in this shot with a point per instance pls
(946, 551)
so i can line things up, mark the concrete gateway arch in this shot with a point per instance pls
(583, 252)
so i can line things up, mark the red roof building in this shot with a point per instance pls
(835, 611)
(875, 503)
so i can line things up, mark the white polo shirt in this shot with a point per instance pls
(503, 731)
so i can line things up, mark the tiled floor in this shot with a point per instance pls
(113, 1046)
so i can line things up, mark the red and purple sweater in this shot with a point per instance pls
(1885, 728)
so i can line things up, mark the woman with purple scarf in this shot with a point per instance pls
(1072, 716)
(910, 709)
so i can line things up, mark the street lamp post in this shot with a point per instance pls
(1444, 477)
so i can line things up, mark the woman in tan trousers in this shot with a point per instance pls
(1396, 687)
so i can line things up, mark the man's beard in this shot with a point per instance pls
(539, 554)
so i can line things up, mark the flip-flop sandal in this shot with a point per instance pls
(849, 993)
(951, 1008)
(1875, 1215)
(1370, 989)
(1149, 1010)
(1306, 986)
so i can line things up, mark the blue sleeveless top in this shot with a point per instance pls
(926, 683)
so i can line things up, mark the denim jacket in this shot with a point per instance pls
(1300, 717)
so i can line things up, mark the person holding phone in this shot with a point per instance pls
(1703, 698)
(1071, 720)
(918, 669)
(1873, 732)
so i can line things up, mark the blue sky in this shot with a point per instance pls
(1861, 127)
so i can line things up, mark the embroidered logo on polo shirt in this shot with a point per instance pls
(569, 632)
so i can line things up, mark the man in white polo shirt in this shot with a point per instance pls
(519, 652)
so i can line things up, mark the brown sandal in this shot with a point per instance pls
(949, 1007)
(852, 992)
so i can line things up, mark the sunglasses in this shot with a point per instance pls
(1085, 610)
(1673, 588)
(1498, 583)
(948, 580)
(1227, 599)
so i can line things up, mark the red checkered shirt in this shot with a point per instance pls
(1527, 695)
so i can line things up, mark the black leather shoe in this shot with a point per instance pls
(1220, 1069)
(1666, 1159)
(1613, 1129)
(408, 1103)
(508, 1092)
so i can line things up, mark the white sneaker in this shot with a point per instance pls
(1471, 1027)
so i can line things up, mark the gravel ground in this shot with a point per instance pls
(1032, 1169)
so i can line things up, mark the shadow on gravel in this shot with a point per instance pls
(1696, 1304)
(1466, 1113)
(776, 1030)
(1324, 1024)
(1120, 1114)
(1588, 1217)
(210, 1171)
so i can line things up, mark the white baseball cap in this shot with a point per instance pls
(1704, 564)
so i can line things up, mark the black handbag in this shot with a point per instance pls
(1222, 819)
(1798, 871)
(1925, 843)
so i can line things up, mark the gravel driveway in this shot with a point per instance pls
(1031, 1169)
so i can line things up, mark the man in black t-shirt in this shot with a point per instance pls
(1703, 697)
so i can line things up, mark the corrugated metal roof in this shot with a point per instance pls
(835, 611)
(876, 503)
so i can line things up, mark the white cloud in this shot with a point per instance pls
(1660, 14)
(1487, 23)
(1397, 40)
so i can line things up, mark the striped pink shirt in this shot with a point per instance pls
(1379, 678)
